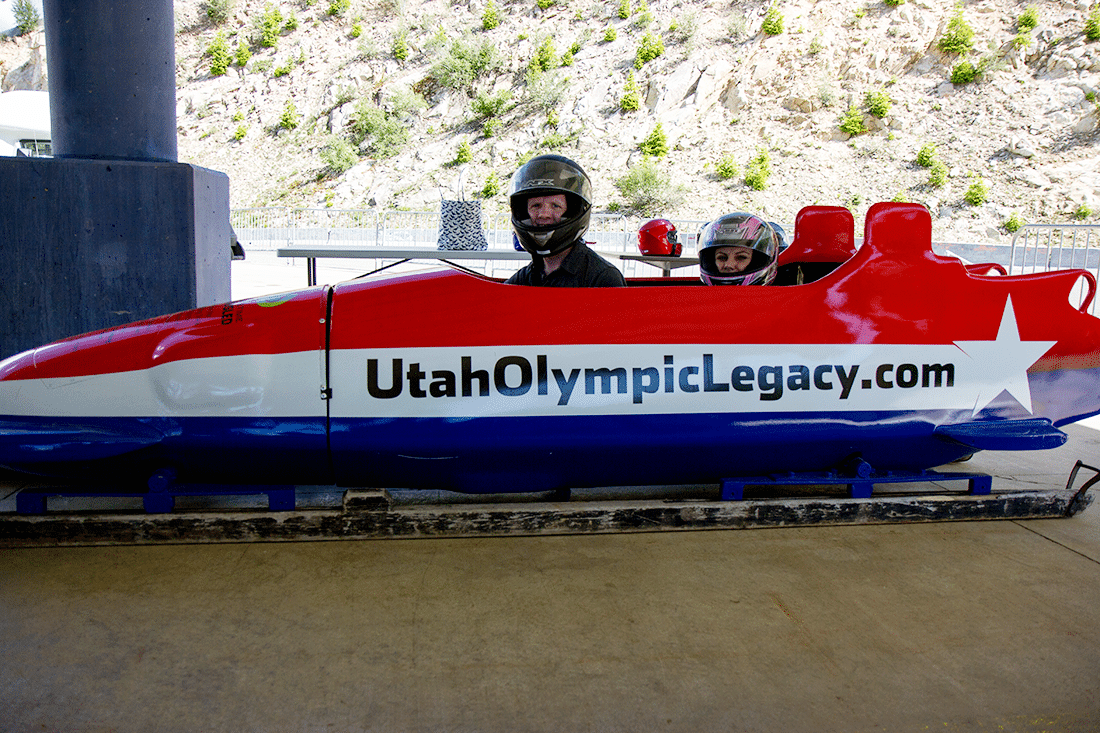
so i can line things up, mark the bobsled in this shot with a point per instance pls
(888, 355)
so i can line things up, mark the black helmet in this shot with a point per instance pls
(548, 175)
(739, 230)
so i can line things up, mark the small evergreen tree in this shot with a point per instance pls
(26, 16)
(218, 50)
(289, 119)
(650, 48)
(490, 17)
(852, 121)
(271, 22)
(464, 154)
(959, 37)
(656, 145)
(773, 22)
(1092, 23)
(630, 102)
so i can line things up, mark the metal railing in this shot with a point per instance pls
(270, 228)
(1045, 247)
(1034, 248)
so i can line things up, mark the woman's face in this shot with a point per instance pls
(730, 260)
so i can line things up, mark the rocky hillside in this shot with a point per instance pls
(372, 129)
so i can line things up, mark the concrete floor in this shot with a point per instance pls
(979, 626)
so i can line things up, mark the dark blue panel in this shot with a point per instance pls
(487, 455)
(242, 450)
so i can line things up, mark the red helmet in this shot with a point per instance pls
(658, 237)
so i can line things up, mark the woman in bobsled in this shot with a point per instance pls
(738, 249)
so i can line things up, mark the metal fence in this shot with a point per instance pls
(270, 228)
(1044, 247)
(1034, 248)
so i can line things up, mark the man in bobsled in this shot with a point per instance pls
(738, 249)
(551, 201)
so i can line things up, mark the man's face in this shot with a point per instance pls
(546, 210)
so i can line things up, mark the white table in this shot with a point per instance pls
(666, 263)
(401, 254)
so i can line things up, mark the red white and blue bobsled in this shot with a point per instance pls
(898, 357)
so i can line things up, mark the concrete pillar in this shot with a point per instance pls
(112, 78)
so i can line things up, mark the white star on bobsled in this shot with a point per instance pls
(1001, 365)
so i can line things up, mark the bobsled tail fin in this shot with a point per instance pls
(1031, 434)
(27, 441)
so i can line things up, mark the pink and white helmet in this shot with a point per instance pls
(739, 230)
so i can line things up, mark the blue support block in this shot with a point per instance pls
(161, 496)
(30, 503)
(981, 485)
(860, 487)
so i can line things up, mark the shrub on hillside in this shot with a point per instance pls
(491, 187)
(464, 62)
(376, 132)
(338, 155)
(963, 73)
(1029, 19)
(464, 154)
(289, 118)
(545, 91)
(978, 193)
(1013, 224)
(400, 46)
(488, 106)
(217, 11)
(543, 59)
(682, 29)
(758, 170)
(726, 167)
(648, 190)
(878, 103)
(926, 156)
(937, 174)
